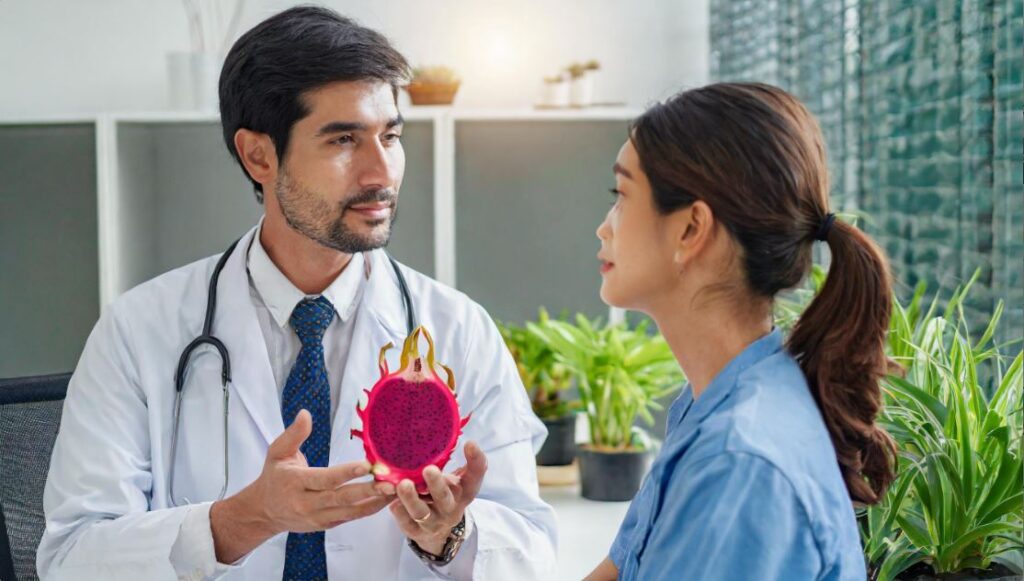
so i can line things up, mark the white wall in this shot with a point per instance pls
(88, 56)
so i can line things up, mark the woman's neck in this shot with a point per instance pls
(706, 337)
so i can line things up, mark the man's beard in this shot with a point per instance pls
(308, 214)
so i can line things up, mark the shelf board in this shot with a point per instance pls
(48, 120)
(411, 113)
(529, 114)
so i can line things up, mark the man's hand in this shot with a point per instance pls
(291, 496)
(428, 523)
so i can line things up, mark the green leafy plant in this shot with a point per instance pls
(958, 503)
(545, 378)
(435, 75)
(788, 308)
(621, 373)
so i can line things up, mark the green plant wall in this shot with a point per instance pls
(921, 105)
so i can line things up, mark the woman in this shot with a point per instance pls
(721, 193)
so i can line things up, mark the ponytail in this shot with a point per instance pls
(839, 343)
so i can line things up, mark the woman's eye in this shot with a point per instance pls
(615, 195)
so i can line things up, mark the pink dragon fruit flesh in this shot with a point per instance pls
(411, 418)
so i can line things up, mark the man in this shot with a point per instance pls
(304, 302)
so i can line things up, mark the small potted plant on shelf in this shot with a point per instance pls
(546, 380)
(621, 373)
(581, 87)
(556, 91)
(433, 86)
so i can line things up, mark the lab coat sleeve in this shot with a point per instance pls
(514, 530)
(730, 516)
(98, 519)
(193, 554)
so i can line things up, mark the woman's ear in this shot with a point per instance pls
(256, 150)
(694, 231)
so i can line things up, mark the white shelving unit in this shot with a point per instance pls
(499, 203)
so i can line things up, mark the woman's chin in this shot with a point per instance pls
(611, 297)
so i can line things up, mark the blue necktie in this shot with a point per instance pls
(307, 388)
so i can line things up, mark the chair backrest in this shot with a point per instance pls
(30, 409)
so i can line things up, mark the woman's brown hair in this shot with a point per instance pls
(755, 155)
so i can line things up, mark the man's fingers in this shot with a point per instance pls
(353, 493)
(476, 468)
(332, 477)
(288, 443)
(438, 485)
(410, 499)
(405, 523)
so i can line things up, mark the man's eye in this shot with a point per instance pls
(343, 139)
(392, 137)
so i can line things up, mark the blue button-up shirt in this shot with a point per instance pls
(746, 486)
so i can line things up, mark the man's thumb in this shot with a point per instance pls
(287, 444)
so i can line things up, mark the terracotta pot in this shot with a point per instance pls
(432, 93)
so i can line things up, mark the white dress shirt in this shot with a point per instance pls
(275, 297)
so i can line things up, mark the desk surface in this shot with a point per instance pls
(586, 529)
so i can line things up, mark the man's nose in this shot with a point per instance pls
(377, 167)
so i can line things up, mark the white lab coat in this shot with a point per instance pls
(106, 500)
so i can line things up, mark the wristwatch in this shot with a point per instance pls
(450, 549)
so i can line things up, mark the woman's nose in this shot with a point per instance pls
(603, 230)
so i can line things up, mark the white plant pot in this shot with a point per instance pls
(581, 91)
(556, 94)
(192, 81)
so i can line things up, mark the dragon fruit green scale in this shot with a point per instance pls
(411, 418)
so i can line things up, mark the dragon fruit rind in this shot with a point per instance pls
(411, 419)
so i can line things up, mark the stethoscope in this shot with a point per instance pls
(208, 338)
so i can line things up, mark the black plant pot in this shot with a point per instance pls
(923, 572)
(612, 476)
(559, 448)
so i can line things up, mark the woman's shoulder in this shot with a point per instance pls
(770, 424)
(771, 412)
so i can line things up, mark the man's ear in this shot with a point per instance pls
(256, 150)
(694, 231)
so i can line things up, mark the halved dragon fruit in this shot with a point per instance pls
(411, 419)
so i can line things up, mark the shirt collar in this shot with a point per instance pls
(281, 296)
(721, 386)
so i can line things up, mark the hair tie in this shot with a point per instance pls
(826, 226)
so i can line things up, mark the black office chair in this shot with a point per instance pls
(30, 409)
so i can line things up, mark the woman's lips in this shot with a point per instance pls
(606, 266)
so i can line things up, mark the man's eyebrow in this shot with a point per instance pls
(340, 127)
(622, 171)
(346, 126)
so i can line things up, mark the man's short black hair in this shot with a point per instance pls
(271, 66)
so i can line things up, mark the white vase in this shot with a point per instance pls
(556, 94)
(581, 90)
(192, 81)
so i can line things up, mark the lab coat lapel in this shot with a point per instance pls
(378, 322)
(237, 325)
